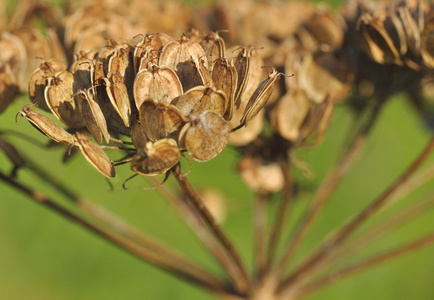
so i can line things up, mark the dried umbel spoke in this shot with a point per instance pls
(94, 155)
(13, 155)
(156, 158)
(59, 98)
(199, 99)
(39, 81)
(92, 115)
(205, 136)
(46, 126)
(160, 84)
(160, 121)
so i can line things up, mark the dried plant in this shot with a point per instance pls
(149, 91)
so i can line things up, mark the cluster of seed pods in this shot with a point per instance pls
(168, 95)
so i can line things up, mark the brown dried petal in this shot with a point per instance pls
(199, 99)
(58, 96)
(138, 135)
(160, 120)
(206, 136)
(46, 126)
(156, 158)
(94, 155)
(160, 84)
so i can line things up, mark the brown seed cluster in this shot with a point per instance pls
(167, 95)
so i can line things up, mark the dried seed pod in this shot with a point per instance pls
(38, 81)
(147, 48)
(46, 126)
(138, 135)
(260, 175)
(242, 65)
(118, 94)
(160, 120)
(193, 73)
(318, 119)
(82, 56)
(224, 77)
(214, 47)
(205, 136)
(325, 74)
(58, 96)
(179, 51)
(92, 115)
(160, 84)
(260, 97)
(200, 99)
(8, 87)
(376, 41)
(411, 29)
(156, 158)
(13, 52)
(94, 155)
(427, 43)
(289, 114)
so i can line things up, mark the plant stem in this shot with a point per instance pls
(195, 222)
(326, 249)
(379, 230)
(174, 265)
(367, 263)
(328, 186)
(260, 223)
(281, 214)
(242, 279)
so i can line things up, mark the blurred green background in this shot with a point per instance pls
(43, 256)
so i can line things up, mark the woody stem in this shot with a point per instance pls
(195, 200)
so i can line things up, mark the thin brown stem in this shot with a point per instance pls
(281, 214)
(367, 263)
(241, 279)
(328, 186)
(178, 267)
(195, 222)
(380, 230)
(102, 214)
(260, 224)
(329, 246)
